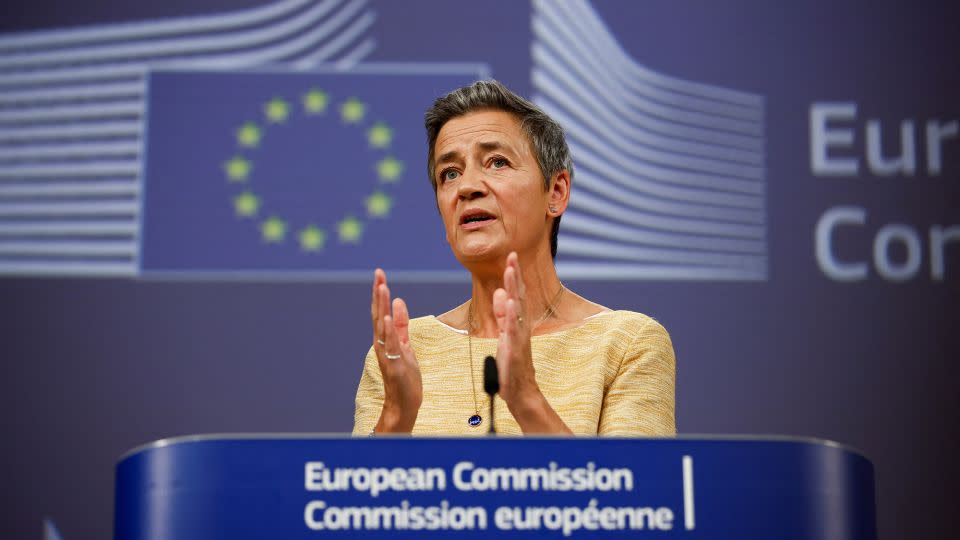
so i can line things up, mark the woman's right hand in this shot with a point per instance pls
(402, 386)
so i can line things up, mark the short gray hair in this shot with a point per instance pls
(544, 133)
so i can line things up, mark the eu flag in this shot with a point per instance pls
(298, 173)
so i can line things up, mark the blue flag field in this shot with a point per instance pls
(314, 174)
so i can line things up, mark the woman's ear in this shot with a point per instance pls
(558, 195)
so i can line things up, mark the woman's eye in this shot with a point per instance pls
(499, 163)
(449, 174)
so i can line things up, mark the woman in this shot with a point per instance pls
(501, 171)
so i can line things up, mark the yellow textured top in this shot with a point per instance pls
(612, 375)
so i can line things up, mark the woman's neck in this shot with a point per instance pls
(541, 288)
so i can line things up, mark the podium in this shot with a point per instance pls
(241, 487)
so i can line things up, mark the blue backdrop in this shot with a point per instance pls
(193, 197)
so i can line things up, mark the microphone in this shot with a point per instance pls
(491, 384)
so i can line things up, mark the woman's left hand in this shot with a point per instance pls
(514, 357)
(518, 383)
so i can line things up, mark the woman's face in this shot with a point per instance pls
(489, 187)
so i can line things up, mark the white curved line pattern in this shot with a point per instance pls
(561, 87)
(100, 92)
(640, 178)
(66, 151)
(712, 170)
(655, 94)
(80, 168)
(563, 76)
(601, 228)
(593, 28)
(67, 229)
(75, 77)
(352, 58)
(595, 176)
(150, 29)
(70, 112)
(555, 30)
(632, 271)
(624, 212)
(633, 105)
(68, 189)
(291, 51)
(612, 251)
(72, 106)
(128, 129)
(64, 267)
(348, 35)
(670, 173)
(59, 249)
(144, 50)
(69, 208)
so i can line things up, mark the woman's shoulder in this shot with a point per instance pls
(594, 317)
(625, 323)
(622, 317)
(623, 334)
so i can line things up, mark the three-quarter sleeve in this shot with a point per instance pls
(369, 401)
(640, 399)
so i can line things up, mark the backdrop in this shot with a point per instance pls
(193, 196)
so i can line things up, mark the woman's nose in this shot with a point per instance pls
(472, 185)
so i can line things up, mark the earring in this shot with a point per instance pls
(553, 209)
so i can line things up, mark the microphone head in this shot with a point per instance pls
(491, 380)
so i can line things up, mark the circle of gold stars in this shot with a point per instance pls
(248, 205)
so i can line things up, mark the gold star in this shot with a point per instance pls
(273, 230)
(378, 204)
(248, 135)
(350, 229)
(312, 238)
(389, 169)
(315, 101)
(352, 111)
(238, 169)
(277, 110)
(246, 204)
(380, 135)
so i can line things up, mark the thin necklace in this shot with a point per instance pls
(476, 419)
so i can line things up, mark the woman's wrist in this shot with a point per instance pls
(527, 405)
(534, 414)
(524, 398)
(396, 418)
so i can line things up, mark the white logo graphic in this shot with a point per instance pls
(72, 106)
(670, 178)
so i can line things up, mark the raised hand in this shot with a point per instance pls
(518, 383)
(514, 356)
(402, 385)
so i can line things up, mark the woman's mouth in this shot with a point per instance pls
(475, 219)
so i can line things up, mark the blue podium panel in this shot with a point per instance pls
(253, 487)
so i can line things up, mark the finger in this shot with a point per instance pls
(401, 321)
(384, 301)
(510, 282)
(507, 340)
(500, 308)
(383, 309)
(378, 322)
(378, 278)
(392, 347)
(511, 316)
(514, 261)
(513, 288)
(521, 288)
